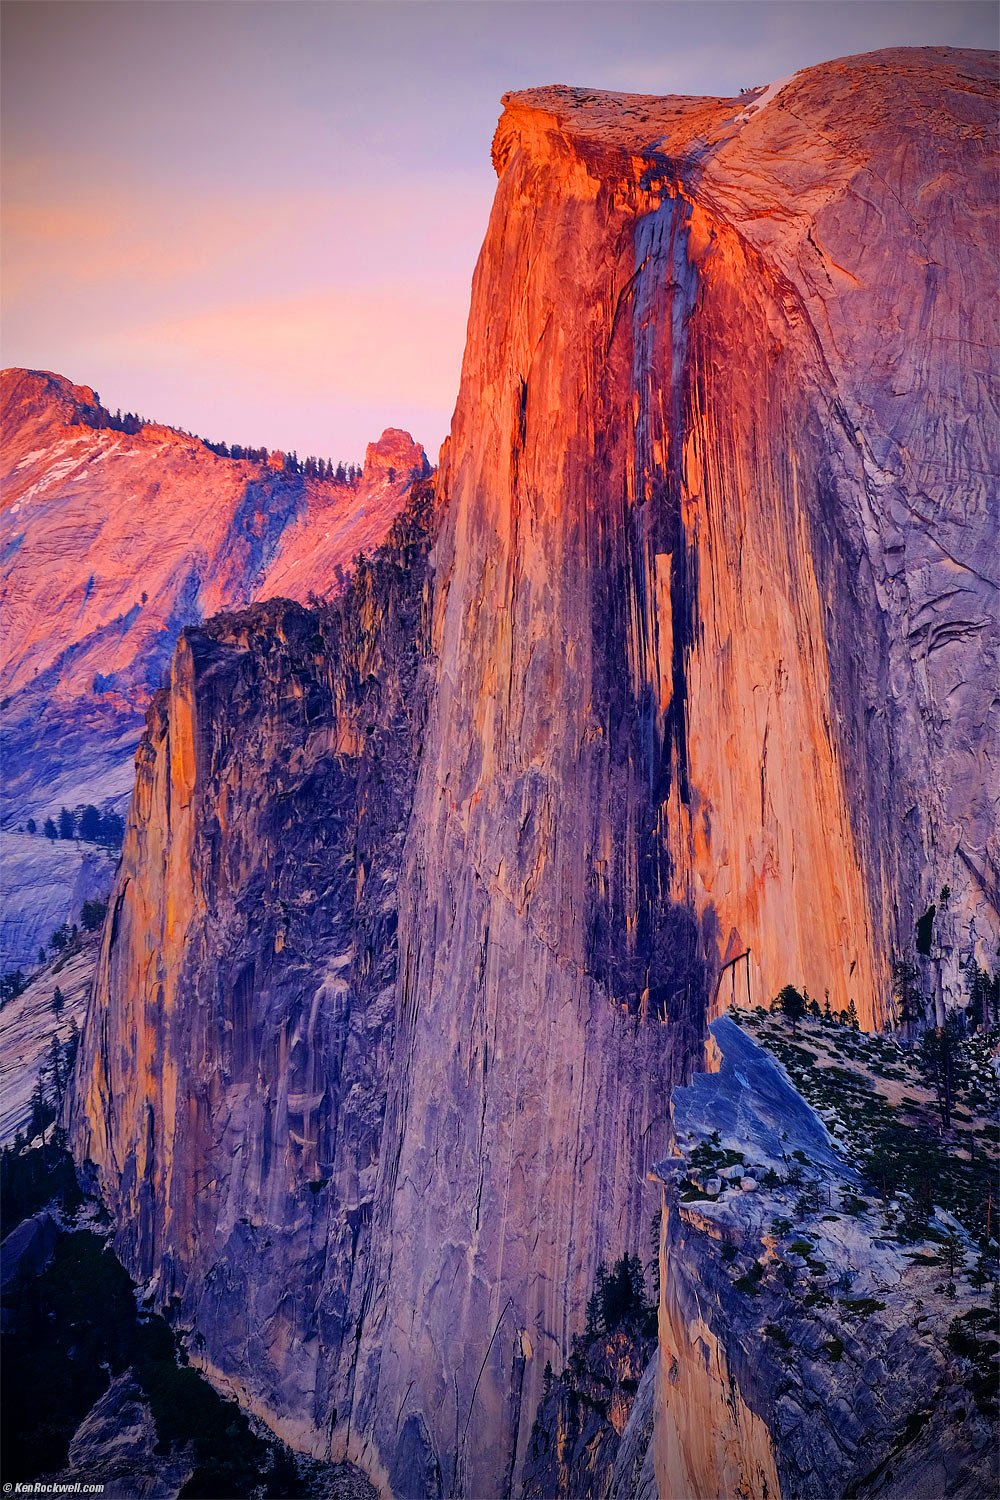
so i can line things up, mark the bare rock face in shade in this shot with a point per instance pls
(374, 1081)
(244, 1002)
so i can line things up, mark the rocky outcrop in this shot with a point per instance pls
(804, 1344)
(244, 1002)
(118, 1440)
(318, 548)
(45, 884)
(710, 628)
(581, 1443)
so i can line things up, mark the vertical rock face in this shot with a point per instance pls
(711, 689)
(234, 1063)
(685, 707)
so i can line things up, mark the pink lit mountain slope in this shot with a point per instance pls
(111, 543)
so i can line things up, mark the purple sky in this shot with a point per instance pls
(258, 219)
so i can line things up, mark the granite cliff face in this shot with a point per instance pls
(685, 708)
(708, 642)
(111, 543)
(244, 1002)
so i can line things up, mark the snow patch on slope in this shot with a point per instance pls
(767, 97)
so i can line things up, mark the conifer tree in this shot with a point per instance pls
(791, 1004)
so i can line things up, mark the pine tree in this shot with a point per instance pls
(654, 1234)
(58, 1000)
(595, 1314)
(56, 1066)
(791, 1004)
(92, 914)
(953, 1251)
(71, 1048)
(90, 824)
(909, 1007)
(941, 1063)
(42, 1112)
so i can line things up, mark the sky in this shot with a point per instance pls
(258, 219)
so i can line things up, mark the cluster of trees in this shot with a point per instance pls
(914, 1009)
(983, 991)
(619, 1298)
(85, 822)
(795, 1005)
(943, 1065)
(939, 1051)
(322, 468)
(91, 916)
(311, 467)
(98, 416)
(31, 1179)
(11, 985)
(236, 450)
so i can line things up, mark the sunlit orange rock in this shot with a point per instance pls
(713, 618)
(710, 633)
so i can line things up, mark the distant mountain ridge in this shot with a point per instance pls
(111, 542)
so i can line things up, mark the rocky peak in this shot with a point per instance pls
(395, 455)
(612, 130)
(38, 397)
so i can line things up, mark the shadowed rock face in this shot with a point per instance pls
(709, 633)
(244, 1001)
